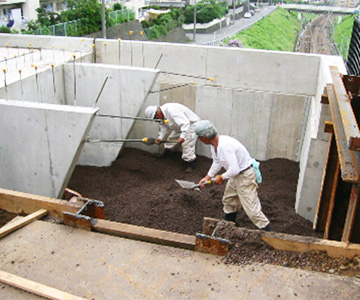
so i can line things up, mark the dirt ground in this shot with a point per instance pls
(140, 189)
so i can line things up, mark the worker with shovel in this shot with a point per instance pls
(241, 188)
(180, 125)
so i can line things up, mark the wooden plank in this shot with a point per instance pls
(36, 288)
(351, 213)
(144, 234)
(332, 201)
(349, 171)
(19, 202)
(22, 222)
(327, 185)
(351, 129)
(293, 243)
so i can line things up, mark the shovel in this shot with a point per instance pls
(192, 185)
(145, 140)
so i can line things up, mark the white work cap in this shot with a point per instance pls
(205, 128)
(150, 111)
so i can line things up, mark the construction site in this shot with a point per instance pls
(89, 211)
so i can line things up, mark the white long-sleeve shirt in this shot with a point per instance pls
(230, 155)
(180, 119)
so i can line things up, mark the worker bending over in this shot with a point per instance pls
(241, 188)
(180, 125)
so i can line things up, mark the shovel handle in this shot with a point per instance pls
(204, 183)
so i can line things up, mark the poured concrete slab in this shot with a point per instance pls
(40, 144)
(119, 91)
(103, 267)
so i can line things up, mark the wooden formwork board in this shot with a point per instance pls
(351, 129)
(349, 170)
(24, 203)
(36, 287)
(22, 222)
(293, 243)
(144, 234)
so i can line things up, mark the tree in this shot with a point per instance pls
(206, 11)
(88, 11)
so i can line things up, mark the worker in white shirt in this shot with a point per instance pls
(180, 124)
(241, 188)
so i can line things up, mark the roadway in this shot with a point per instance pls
(239, 25)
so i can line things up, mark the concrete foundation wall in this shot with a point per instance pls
(119, 91)
(40, 146)
(271, 71)
(270, 125)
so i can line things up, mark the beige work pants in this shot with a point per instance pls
(188, 146)
(241, 191)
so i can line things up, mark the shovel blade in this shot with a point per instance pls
(186, 184)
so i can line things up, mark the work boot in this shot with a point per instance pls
(266, 228)
(166, 152)
(190, 166)
(231, 217)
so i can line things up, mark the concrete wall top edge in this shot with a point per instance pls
(116, 67)
(46, 41)
(49, 106)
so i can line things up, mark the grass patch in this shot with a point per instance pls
(342, 34)
(277, 31)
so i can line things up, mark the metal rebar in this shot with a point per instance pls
(97, 99)
(131, 118)
(185, 75)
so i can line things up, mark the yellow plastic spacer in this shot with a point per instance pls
(131, 32)
(211, 79)
(15, 55)
(20, 71)
(145, 140)
(82, 40)
(6, 44)
(35, 67)
(93, 45)
(119, 39)
(63, 47)
(29, 45)
(5, 57)
(105, 43)
(52, 65)
(53, 46)
(74, 56)
(141, 32)
(192, 82)
(4, 70)
(166, 121)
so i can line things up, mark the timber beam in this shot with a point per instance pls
(24, 203)
(349, 171)
(347, 117)
(294, 243)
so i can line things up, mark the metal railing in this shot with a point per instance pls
(71, 28)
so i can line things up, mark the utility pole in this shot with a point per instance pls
(233, 11)
(194, 36)
(103, 22)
